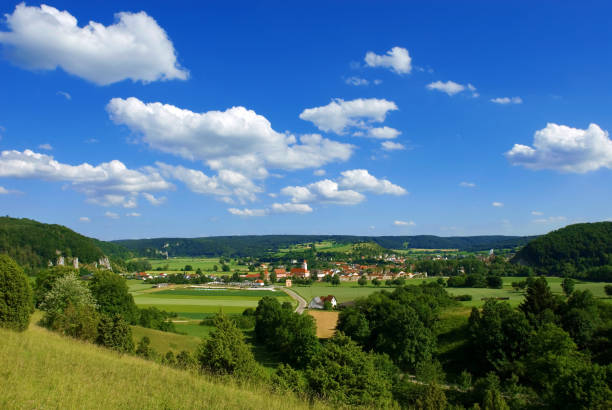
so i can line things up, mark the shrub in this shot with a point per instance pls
(15, 296)
(463, 298)
(115, 333)
(66, 291)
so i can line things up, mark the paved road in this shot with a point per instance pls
(300, 300)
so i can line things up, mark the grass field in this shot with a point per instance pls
(347, 291)
(43, 370)
(176, 265)
(192, 305)
(164, 341)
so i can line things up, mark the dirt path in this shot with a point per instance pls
(300, 300)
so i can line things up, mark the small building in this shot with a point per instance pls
(288, 283)
(318, 302)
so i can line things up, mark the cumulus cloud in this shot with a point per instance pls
(362, 181)
(65, 95)
(357, 81)
(110, 183)
(4, 191)
(565, 149)
(319, 172)
(134, 47)
(225, 184)
(397, 60)
(339, 114)
(84, 219)
(134, 214)
(289, 207)
(392, 146)
(451, 88)
(383, 133)
(237, 138)
(537, 213)
(507, 100)
(325, 191)
(497, 204)
(403, 223)
(465, 184)
(47, 147)
(156, 201)
(111, 215)
(247, 212)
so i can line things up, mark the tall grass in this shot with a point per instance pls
(40, 369)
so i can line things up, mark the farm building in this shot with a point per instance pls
(318, 302)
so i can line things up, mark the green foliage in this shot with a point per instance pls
(66, 290)
(15, 296)
(138, 265)
(225, 351)
(335, 280)
(539, 304)
(608, 289)
(79, 321)
(115, 333)
(286, 332)
(412, 395)
(46, 278)
(571, 250)
(498, 336)
(343, 373)
(145, 350)
(112, 296)
(362, 281)
(155, 318)
(399, 324)
(33, 244)
(286, 378)
(584, 388)
(185, 360)
(568, 286)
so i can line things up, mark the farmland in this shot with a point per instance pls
(193, 305)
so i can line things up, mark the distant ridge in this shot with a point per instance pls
(257, 245)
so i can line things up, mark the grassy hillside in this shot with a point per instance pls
(33, 244)
(41, 369)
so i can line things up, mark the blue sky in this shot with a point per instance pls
(368, 118)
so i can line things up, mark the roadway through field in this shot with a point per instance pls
(300, 300)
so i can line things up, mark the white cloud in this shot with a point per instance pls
(237, 139)
(4, 191)
(449, 87)
(247, 212)
(362, 181)
(324, 191)
(84, 219)
(134, 214)
(155, 201)
(467, 184)
(537, 213)
(47, 147)
(110, 183)
(507, 100)
(134, 47)
(357, 81)
(397, 60)
(403, 223)
(392, 146)
(65, 95)
(550, 220)
(339, 114)
(111, 215)
(319, 172)
(226, 183)
(497, 204)
(383, 133)
(565, 149)
(289, 207)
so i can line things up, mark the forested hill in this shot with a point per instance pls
(257, 245)
(570, 250)
(33, 244)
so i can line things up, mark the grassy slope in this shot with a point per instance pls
(41, 369)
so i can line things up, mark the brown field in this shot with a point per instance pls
(326, 323)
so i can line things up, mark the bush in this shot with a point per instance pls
(608, 289)
(66, 291)
(78, 321)
(145, 350)
(115, 333)
(15, 296)
(463, 298)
